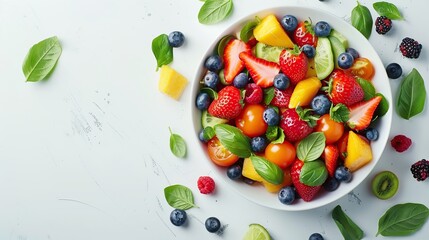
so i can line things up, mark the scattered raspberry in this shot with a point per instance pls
(420, 170)
(401, 143)
(383, 25)
(254, 94)
(410, 48)
(206, 185)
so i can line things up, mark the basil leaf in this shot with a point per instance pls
(412, 95)
(281, 138)
(233, 140)
(212, 93)
(222, 44)
(246, 32)
(179, 197)
(214, 11)
(41, 59)
(388, 10)
(362, 20)
(267, 170)
(177, 145)
(268, 95)
(383, 106)
(403, 219)
(311, 147)
(208, 133)
(368, 88)
(162, 50)
(313, 173)
(272, 133)
(348, 228)
(339, 113)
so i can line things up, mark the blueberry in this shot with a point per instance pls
(394, 70)
(321, 104)
(342, 174)
(178, 217)
(322, 29)
(345, 60)
(258, 144)
(289, 22)
(211, 79)
(201, 136)
(353, 52)
(315, 236)
(234, 172)
(331, 184)
(241, 80)
(281, 81)
(286, 195)
(308, 50)
(371, 134)
(271, 117)
(213, 63)
(176, 39)
(202, 101)
(212, 224)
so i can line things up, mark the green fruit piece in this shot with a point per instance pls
(208, 120)
(337, 48)
(385, 185)
(222, 44)
(257, 232)
(340, 37)
(269, 53)
(222, 78)
(324, 59)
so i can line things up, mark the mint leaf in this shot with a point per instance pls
(222, 44)
(180, 197)
(246, 32)
(233, 140)
(313, 173)
(272, 133)
(214, 11)
(348, 228)
(383, 106)
(268, 95)
(388, 10)
(311, 147)
(212, 93)
(362, 20)
(177, 145)
(368, 88)
(339, 113)
(208, 133)
(162, 50)
(412, 95)
(267, 170)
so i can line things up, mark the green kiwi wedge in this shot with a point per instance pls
(385, 185)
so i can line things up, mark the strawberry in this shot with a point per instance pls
(261, 70)
(228, 103)
(294, 64)
(282, 97)
(304, 34)
(343, 88)
(232, 62)
(306, 192)
(361, 113)
(296, 126)
(331, 154)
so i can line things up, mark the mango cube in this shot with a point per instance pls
(359, 152)
(171, 82)
(304, 92)
(270, 32)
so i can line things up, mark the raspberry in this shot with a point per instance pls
(254, 94)
(410, 48)
(206, 185)
(420, 170)
(401, 143)
(383, 25)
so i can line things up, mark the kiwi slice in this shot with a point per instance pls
(385, 185)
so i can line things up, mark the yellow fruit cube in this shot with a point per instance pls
(311, 72)
(359, 152)
(171, 82)
(304, 92)
(275, 188)
(249, 171)
(270, 32)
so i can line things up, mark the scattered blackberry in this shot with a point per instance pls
(383, 25)
(420, 170)
(410, 48)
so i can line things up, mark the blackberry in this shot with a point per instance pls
(410, 48)
(383, 25)
(420, 170)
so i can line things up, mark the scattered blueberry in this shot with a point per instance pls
(394, 70)
(212, 224)
(201, 136)
(287, 195)
(371, 134)
(234, 172)
(345, 60)
(353, 52)
(178, 217)
(281, 81)
(322, 29)
(331, 184)
(308, 50)
(321, 104)
(342, 174)
(202, 101)
(315, 236)
(211, 79)
(258, 144)
(213, 63)
(176, 39)
(241, 80)
(289, 23)
(271, 117)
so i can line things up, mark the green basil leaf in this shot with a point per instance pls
(214, 11)
(313, 173)
(387, 9)
(281, 137)
(212, 93)
(177, 145)
(383, 106)
(362, 20)
(339, 113)
(222, 44)
(311, 147)
(268, 95)
(272, 133)
(208, 133)
(179, 197)
(368, 88)
(403, 219)
(162, 50)
(233, 140)
(348, 228)
(41, 59)
(412, 95)
(267, 170)
(246, 32)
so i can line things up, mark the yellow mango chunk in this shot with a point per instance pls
(304, 92)
(171, 82)
(359, 152)
(275, 188)
(270, 32)
(311, 72)
(249, 171)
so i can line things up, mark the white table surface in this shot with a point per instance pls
(85, 155)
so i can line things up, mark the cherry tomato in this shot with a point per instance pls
(282, 154)
(332, 130)
(251, 122)
(219, 154)
(363, 68)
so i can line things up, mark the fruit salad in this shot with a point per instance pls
(286, 103)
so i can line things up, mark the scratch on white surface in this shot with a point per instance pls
(222, 229)
(99, 108)
(97, 123)
(165, 224)
(82, 203)
(159, 204)
(354, 198)
(158, 169)
(116, 131)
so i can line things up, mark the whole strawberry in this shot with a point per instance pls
(306, 192)
(296, 127)
(343, 88)
(294, 64)
(228, 105)
(304, 34)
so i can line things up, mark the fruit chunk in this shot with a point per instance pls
(270, 32)
(311, 69)
(268, 53)
(256, 232)
(261, 70)
(304, 92)
(359, 152)
(275, 188)
(171, 82)
(232, 62)
(249, 171)
(361, 113)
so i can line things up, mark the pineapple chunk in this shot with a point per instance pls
(249, 171)
(270, 32)
(171, 82)
(359, 152)
(304, 92)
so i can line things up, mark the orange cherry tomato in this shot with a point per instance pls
(363, 68)
(332, 130)
(251, 122)
(282, 154)
(219, 154)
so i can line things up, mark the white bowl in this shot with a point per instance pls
(257, 192)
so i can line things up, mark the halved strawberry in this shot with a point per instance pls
(343, 88)
(304, 34)
(331, 154)
(294, 64)
(231, 59)
(261, 70)
(361, 113)
(228, 105)
(282, 97)
(306, 192)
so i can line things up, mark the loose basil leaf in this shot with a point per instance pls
(212, 93)
(388, 10)
(214, 11)
(403, 219)
(233, 140)
(177, 145)
(222, 44)
(267, 170)
(311, 147)
(208, 133)
(339, 113)
(162, 50)
(313, 173)
(246, 32)
(268, 95)
(368, 88)
(272, 133)
(412, 95)
(383, 106)
(179, 197)
(362, 20)
(281, 138)
(41, 59)
(348, 228)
